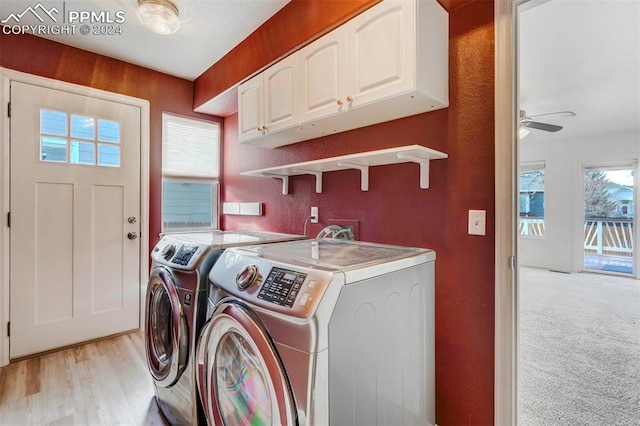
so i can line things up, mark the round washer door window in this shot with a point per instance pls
(240, 377)
(241, 387)
(166, 335)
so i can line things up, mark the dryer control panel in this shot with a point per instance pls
(178, 254)
(282, 286)
(289, 289)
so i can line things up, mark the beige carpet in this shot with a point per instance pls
(579, 349)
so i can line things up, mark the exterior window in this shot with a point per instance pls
(190, 172)
(78, 139)
(531, 200)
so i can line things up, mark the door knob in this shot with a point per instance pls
(132, 235)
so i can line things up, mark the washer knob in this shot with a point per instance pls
(168, 251)
(247, 276)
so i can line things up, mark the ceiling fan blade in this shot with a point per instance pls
(557, 114)
(542, 126)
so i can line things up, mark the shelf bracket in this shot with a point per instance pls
(285, 181)
(424, 167)
(364, 173)
(316, 173)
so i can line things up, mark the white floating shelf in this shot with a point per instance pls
(362, 161)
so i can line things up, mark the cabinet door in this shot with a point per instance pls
(323, 72)
(250, 102)
(381, 51)
(281, 83)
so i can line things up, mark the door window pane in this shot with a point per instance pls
(608, 219)
(58, 146)
(82, 153)
(53, 149)
(53, 122)
(108, 131)
(82, 127)
(108, 155)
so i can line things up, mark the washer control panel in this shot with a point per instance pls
(177, 254)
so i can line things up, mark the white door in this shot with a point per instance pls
(323, 74)
(381, 52)
(75, 197)
(250, 105)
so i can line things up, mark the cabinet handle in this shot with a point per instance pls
(259, 129)
(349, 99)
(339, 102)
(264, 128)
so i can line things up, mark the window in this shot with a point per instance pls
(531, 200)
(190, 172)
(75, 139)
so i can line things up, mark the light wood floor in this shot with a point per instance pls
(101, 383)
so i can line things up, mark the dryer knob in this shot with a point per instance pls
(168, 251)
(247, 276)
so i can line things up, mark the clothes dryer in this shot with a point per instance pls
(176, 309)
(319, 332)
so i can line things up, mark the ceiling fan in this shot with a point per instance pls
(527, 122)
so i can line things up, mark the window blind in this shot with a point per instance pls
(190, 148)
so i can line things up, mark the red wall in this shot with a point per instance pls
(395, 210)
(35, 55)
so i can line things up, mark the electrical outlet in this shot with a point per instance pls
(314, 215)
(477, 222)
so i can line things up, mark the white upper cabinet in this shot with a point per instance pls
(268, 103)
(281, 101)
(381, 51)
(250, 116)
(323, 76)
(389, 62)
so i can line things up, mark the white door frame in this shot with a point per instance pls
(7, 75)
(506, 154)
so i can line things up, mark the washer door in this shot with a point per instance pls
(240, 376)
(166, 330)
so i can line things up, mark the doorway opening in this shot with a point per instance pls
(577, 299)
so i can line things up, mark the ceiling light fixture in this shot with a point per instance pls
(159, 16)
(522, 132)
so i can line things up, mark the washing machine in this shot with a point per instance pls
(319, 332)
(176, 305)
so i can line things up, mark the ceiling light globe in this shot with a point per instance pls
(158, 16)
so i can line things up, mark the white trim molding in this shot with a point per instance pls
(505, 374)
(8, 75)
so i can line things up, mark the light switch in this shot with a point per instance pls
(477, 222)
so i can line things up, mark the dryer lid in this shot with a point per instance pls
(339, 254)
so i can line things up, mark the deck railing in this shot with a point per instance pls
(609, 236)
(532, 226)
(601, 235)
